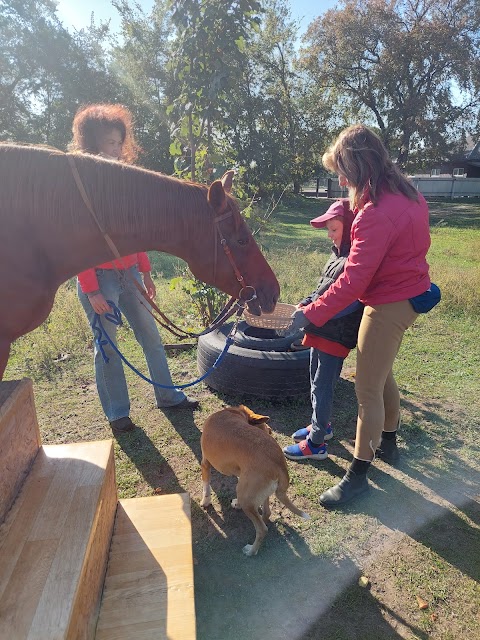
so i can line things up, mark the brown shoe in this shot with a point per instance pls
(122, 425)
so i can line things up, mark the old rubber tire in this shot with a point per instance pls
(259, 342)
(266, 374)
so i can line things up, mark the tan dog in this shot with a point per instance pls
(236, 448)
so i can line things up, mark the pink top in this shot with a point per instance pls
(88, 279)
(387, 260)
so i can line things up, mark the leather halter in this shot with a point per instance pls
(227, 312)
(229, 255)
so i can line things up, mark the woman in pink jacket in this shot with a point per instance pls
(106, 130)
(385, 269)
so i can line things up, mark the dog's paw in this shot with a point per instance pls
(235, 504)
(206, 502)
(248, 550)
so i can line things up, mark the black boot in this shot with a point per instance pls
(387, 449)
(349, 487)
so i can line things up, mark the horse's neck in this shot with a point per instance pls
(146, 213)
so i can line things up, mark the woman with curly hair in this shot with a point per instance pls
(387, 271)
(106, 130)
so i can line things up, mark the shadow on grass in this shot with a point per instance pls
(147, 459)
(433, 525)
(357, 615)
(454, 213)
(184, 424)
(283, 593)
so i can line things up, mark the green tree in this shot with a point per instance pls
(45, 72)
(284, 117)
(140, 63)
(398, 63)
(32, 46)
(208, 49)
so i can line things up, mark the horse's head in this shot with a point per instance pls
(236, 255)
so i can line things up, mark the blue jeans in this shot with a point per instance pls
(109, 376)
(324, 373)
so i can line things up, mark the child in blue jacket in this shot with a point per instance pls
(329, 344)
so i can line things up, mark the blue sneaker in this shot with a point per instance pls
(306, 450)
(302, 434)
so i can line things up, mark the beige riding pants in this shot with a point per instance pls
(379, 339)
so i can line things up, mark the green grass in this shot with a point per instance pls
(417, 535)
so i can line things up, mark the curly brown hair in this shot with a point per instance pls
(93, 120)
(361, 157)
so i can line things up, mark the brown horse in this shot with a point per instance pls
(47, 234)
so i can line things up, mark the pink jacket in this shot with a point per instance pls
(88, 279)
(386, 262)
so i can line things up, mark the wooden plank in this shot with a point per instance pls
(148, 590)
(54, 544)
(19, 521)
(19, 439)
(87, 602)
(20, 599)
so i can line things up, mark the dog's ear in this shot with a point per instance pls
(253, 418)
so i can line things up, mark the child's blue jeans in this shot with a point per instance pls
(324, 373)
(110, 377)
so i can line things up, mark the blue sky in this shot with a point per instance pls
(75, 13)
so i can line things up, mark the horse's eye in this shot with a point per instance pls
(242, 242)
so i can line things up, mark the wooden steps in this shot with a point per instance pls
(19, 439)
(54, 544)
(57, 513)
(149, 584)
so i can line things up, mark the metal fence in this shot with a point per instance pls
(429, 186)
(447, 187)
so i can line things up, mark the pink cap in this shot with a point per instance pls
(335, 210)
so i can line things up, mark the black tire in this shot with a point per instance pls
(262, 339)
(265, 374)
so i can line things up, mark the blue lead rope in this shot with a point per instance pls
(102, 338)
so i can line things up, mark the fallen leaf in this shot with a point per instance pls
(364, 582)
(157, 490)
(422, 604)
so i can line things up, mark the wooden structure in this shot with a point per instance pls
(57, 512)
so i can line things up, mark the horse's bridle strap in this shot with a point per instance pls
(225, 246)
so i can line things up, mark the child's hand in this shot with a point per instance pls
(299, 321)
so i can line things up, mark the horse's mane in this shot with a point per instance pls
(126, 198)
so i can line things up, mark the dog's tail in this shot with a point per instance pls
(285, 500)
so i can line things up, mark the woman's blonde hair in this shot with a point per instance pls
(361, 157)
(93, 120)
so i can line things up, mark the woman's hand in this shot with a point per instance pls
(149, 286)
(99, 304)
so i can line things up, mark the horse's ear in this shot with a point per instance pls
(227, 180)
(216, 196)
